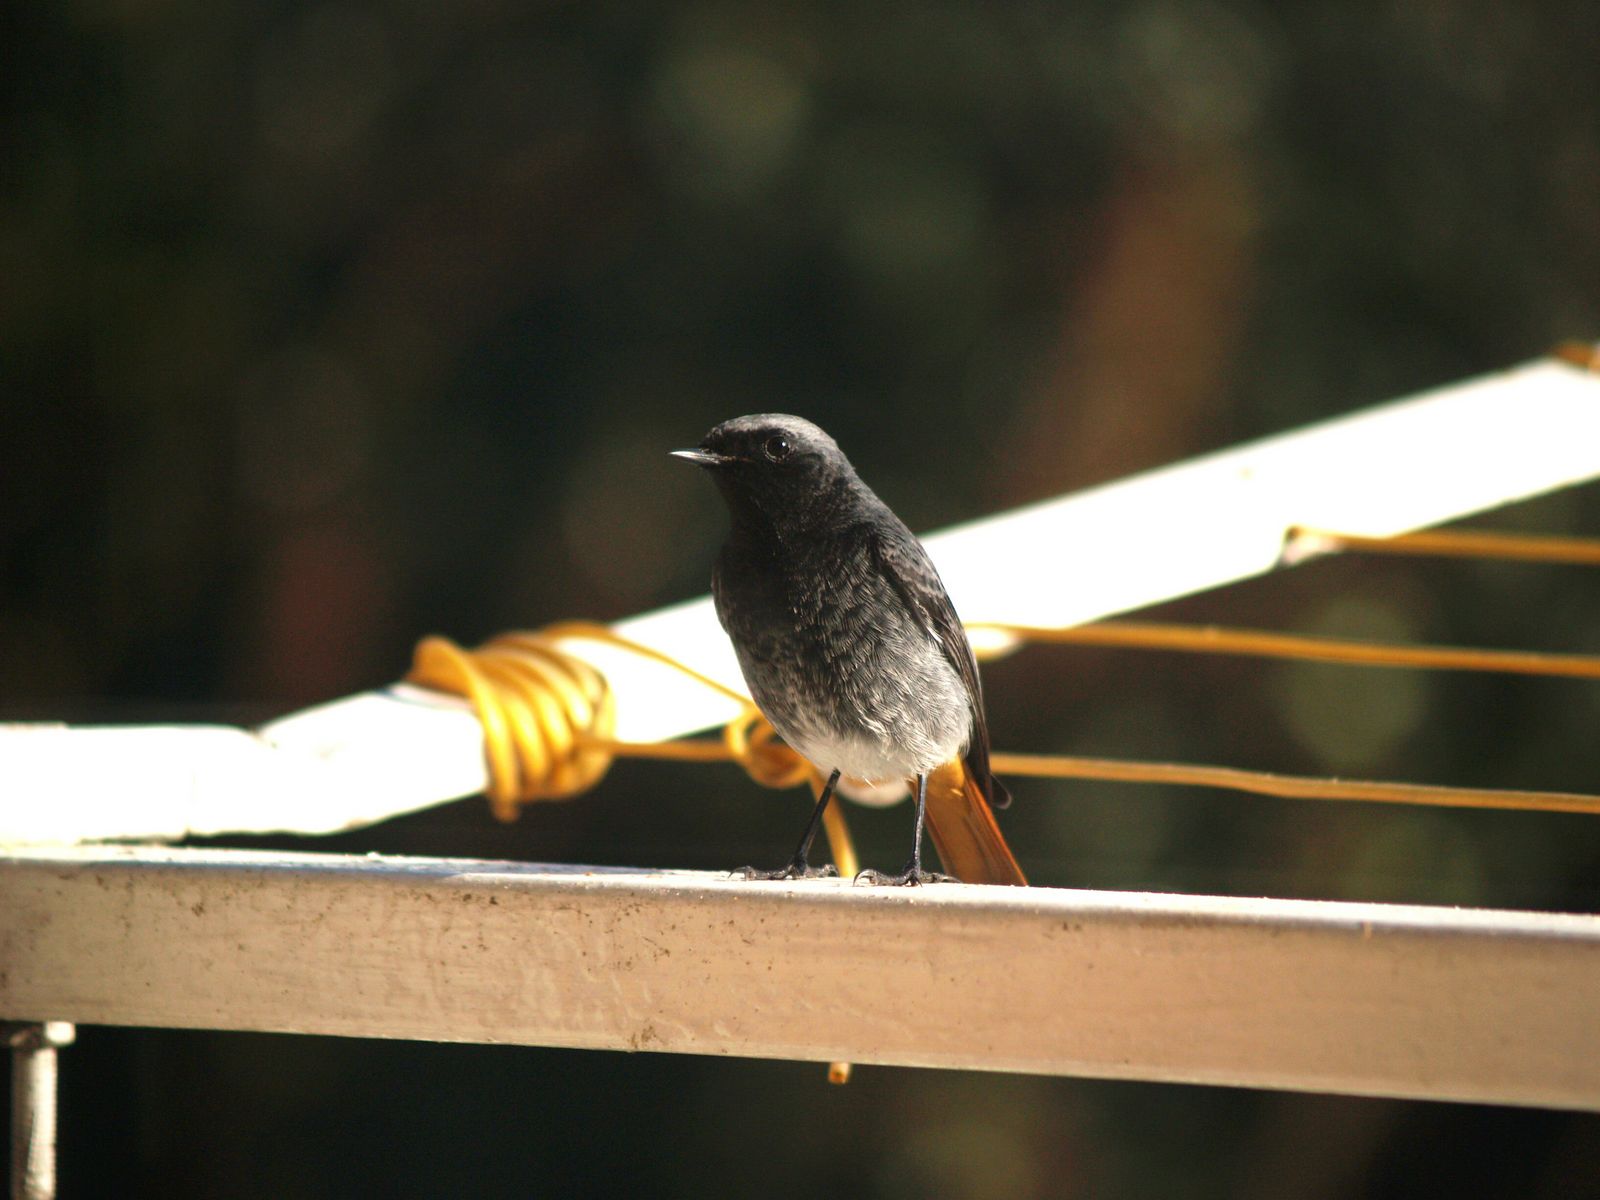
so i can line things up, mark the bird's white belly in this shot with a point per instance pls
(872, 759)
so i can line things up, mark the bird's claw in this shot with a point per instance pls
(798, 869)
(912, 876)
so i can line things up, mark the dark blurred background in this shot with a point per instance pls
(327, 325)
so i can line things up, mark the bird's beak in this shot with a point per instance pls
(702, 458)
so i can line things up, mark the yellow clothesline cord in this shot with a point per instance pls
(1300, 787)
(1304, 542)
(549, 721)
(1584, 355)
(549, 717)
(1260, 643)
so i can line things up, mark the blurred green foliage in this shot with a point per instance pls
(327, 325)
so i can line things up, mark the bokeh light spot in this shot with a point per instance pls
(1353, 718)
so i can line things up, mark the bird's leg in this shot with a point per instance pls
(798, 867)
(913, 873)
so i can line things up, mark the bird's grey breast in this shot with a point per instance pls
(848, 671)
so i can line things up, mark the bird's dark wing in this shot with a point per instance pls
(907, 565)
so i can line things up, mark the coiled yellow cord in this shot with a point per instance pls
(549, 721)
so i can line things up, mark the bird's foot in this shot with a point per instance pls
(797, 869)
(912, 876)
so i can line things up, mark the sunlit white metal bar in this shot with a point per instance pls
(1364, 999)
(1165, 533)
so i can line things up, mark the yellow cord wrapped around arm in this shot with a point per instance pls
(549, 722)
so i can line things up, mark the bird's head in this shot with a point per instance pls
(784, 466)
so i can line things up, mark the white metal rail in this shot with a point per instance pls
(1365, 999)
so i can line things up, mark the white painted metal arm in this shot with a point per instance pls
(1363, 999)
(1166, 533)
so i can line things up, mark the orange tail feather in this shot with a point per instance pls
(964, 831)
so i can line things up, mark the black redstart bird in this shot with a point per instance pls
(849, 643)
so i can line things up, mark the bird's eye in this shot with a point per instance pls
(776, 449)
